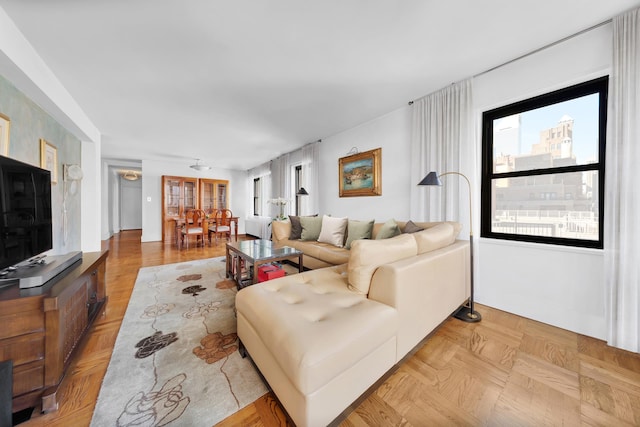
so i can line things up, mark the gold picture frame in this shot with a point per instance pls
(49, 159)
(360, 174)
(5, 125)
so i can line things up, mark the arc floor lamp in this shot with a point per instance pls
(466, 312)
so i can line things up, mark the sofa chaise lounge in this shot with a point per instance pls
(321, 338)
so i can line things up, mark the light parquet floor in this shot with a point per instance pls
(503, 371)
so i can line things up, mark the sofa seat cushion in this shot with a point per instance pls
(322, 251)
(314, 326)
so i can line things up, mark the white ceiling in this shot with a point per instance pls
(238, 82)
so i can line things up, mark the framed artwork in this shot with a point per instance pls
(4, 134)
(360, 174)
(49, 159)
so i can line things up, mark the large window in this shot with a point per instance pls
(257, 192)
(543, 167)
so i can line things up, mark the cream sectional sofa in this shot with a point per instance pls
(321, 338)
(318, 254)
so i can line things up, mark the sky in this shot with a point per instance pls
(584, 112)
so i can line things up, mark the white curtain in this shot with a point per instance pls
(310, 173)
(281, 184)
(442, 140)
(622, 204)
(264, 173)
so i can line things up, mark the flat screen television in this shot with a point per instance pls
(25, 206)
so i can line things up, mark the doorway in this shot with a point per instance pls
(130, 204)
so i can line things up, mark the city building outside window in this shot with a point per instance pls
(551, 146)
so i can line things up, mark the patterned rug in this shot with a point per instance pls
(175, 360)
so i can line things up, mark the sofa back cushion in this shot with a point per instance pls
(436, 237)
(367, 255)
(280, 230)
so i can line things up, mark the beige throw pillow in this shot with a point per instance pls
(436, 237)
(367, 255)
(332, 231)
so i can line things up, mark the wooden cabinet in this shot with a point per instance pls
(214, 194)
(179, 195)
(42, 327)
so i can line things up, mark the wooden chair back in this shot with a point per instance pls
(222, 224)
(195, 225)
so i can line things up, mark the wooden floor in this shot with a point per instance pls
(503, 371)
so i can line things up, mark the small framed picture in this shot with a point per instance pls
(4, 134)
(360, 174)
(49, 159)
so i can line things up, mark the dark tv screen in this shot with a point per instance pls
(25, 203)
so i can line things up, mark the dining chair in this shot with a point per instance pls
(222, 224)
(194, 225)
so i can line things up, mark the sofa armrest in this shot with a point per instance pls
(425, 290)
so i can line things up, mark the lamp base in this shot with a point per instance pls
(465, 314)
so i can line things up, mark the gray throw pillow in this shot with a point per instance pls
(357, 230)
(389, 229)
(296, 227)
(311, 226)
(410, 227)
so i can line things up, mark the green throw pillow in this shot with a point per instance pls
(389, 229)
(311, 226)
(358, 230)
(296, 227)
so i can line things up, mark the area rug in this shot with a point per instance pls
(175, 360)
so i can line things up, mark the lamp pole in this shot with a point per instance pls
(466, 312)
(301, 192)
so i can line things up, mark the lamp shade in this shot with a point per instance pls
(302, 192)
(431, 179)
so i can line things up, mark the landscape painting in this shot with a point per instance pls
(360, 174)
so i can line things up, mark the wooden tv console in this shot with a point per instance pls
(42, 327)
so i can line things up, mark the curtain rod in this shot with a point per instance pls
(533, 52)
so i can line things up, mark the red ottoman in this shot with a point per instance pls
(269, 271)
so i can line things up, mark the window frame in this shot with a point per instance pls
(595, 86)
(257, 193)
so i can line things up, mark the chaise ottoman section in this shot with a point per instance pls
(313, 339)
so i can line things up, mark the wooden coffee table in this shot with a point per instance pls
(255, 253)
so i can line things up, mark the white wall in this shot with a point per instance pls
(556, 285)
(91, 199)
(152, 193)
(391, 132)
